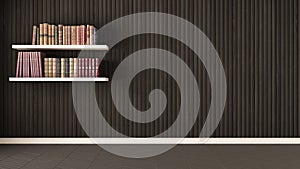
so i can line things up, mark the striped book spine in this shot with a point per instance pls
(60, 34)
(75, 67)
(63, 67)
(46, 67)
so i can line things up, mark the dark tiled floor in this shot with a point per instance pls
(181, 157)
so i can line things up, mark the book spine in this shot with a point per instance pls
(75, 67)
(21, 65)
(90, 67)
(97, 73)
(86, 67)
(95, 36)
(49, 35)
(72, 35)
(18, 65)
(38, 36)
(60, 34)
(63, 67)
(24, 64)
(46, 33)
(69, 36)
(71, 68)
(55, 35)
(88, 35)
(33, 62)
(64, 35)
(41, 34)
(67, 67)
(34, 35)
(78, 35)
(82, 67)
(58, 67)
(50, 69)
(54, 67)
(46, 67)
(93, 67)
(79, 67)
(91, 35)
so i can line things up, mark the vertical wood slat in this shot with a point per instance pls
(258, 43)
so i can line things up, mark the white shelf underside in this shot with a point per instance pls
(43, 79)
(120, 141)
(61, 47)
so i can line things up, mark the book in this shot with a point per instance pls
(64, 35)
(79, 67)
(73, 35)
(88, 35)
(46, 33)
(58, 67)
(90, 67)
(50, 67)
(54, 67)
(75, 60)
(34, 35)
(18, 65)
(78, 35)
(60, 34)
(97, 73)
(67, 67)
(71, 67)
(38, 36)
(41, 34)
(55, 35)
(63, 67)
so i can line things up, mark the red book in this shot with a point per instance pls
(77, 35)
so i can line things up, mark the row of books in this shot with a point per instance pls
(48, 34)
(71, 67)
(29, 64)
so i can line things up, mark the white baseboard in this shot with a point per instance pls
(246, 141)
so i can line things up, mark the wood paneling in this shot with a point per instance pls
(257, 41)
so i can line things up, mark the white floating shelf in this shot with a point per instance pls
(61, 47)
(45, 79)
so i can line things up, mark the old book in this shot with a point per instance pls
(41, 34)
(38, 36)
(71, 67)
(97, 67)
(18, 65)
(90, 68)
(46, 67)
(64, 35)
(45, 26)
(79, 67)
(49, 35)
(93, 71)
(62, 67)
(60, 34)
(54, 67)
(55, 35)
(58, 67)
(88, 35)
(50, 68)
(73, 35)
(75, 60)
(34, 35)
(67, 73)
(78, 35)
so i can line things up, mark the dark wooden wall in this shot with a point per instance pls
(257, 40)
